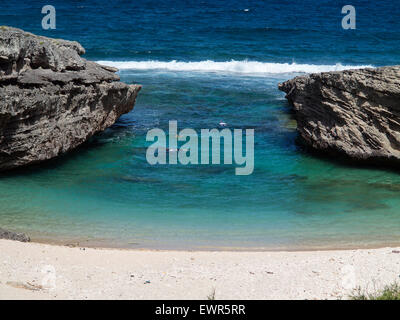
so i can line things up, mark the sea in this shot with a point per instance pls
(209, 64)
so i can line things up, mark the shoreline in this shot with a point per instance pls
(97, 244)
(43, 271)
(103, 243)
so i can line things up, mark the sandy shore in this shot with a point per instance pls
(40, 271)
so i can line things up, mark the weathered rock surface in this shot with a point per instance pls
(4, 234)
(355, 113)
(51, 99)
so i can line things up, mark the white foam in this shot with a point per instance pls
(233, 66)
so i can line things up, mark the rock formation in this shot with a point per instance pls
(51, 99)
(4, 234)
(355, 113)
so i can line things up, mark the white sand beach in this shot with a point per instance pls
(42, 271)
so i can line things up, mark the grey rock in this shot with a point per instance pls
(355, 113)
(51, 99)
(5, 234)
(24, 48)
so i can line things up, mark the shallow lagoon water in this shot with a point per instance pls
(105, 193)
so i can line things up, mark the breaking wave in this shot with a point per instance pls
(233, 66)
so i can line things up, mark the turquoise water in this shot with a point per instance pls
(105, 193)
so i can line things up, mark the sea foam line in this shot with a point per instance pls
(234, 66)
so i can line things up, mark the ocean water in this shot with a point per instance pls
(202, 63)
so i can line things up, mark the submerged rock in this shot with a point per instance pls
(51, 99)
(4, 234)
(355, 113)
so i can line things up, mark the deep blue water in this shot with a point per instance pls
(202, 63)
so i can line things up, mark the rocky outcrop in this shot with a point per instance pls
(355, 113)
(51, 99)
(9, 235)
